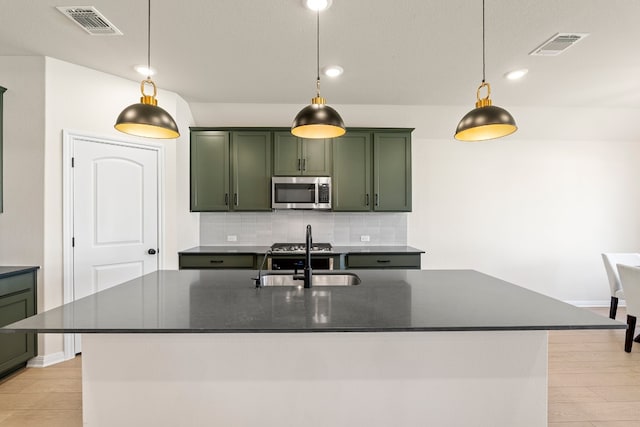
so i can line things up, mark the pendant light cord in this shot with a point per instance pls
(318, 53)
(483, 43)
(149, 40)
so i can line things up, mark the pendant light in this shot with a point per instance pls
(318, 120)
(486, 121)
(146, 118)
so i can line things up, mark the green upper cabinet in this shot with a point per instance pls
(392, 172)
(251, 170)
(209, 171)
(298, 156)
(230, 171)
(351, 180)
(372, 171)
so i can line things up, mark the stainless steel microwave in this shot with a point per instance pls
(301, 192)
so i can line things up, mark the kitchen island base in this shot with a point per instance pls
(488, 378)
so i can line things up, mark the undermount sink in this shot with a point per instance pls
(342, 279)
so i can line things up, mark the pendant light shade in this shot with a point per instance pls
(486, 121)
(146, 118)
(317, 120)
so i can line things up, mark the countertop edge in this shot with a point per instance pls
(338, 250)
(18, 270)
(7, 330)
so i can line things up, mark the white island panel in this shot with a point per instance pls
(490, 378)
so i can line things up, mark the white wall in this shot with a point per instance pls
(22, 222)
(536, 208)
(88, 101)
(44, 97)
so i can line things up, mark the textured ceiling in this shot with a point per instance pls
(402, 52)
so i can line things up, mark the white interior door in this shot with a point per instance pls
(115, 215)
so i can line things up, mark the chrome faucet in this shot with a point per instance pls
(308, 273)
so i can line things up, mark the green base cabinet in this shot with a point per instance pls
(230, 171)
(17, 302)
(401, 261)
(372, 171)
(298, 156)
(224, 261)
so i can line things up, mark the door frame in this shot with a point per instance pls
(68, 139)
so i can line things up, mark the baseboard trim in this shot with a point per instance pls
(46, 360)
(594, 303)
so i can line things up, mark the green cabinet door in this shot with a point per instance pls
(251, 170)
(352, 172)
(210, 171)
(316, 157)
(287, 155)
(392, 172)
(297, 156)
(17, 302)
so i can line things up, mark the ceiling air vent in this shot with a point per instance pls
(92, 21)
(558, 44)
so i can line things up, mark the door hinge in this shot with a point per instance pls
(73, 242)
(73, 162)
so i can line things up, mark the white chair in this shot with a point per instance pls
(630, 278)
(610, 262)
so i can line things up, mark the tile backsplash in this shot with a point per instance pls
(265, 228)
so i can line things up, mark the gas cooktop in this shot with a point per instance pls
(300, 247)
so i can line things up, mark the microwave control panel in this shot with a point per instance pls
(323, 193)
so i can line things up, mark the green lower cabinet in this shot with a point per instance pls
(401, 261)
(230, 171)
(372, 171)
(199, 261)
(17, 302)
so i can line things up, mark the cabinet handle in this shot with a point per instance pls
(367, 199)
(235, 199)
(383, 261)
(216, 261)
(304, 164)
(299, 165)
(377, 200)
(226, 199)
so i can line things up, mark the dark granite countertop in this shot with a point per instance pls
(221, 301)
(13, 270)
(260, 250)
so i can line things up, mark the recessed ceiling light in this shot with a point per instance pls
(317, 4)
(516, 74)
(332, 70)
(142, 69)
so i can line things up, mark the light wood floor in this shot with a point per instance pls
(592, 383)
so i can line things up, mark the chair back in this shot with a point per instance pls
(610, 262)
(630, 278)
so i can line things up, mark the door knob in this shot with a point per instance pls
(151, 251)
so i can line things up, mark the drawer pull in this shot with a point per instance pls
(216, 261)
(382, 261)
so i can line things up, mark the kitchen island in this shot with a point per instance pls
(405, 348)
